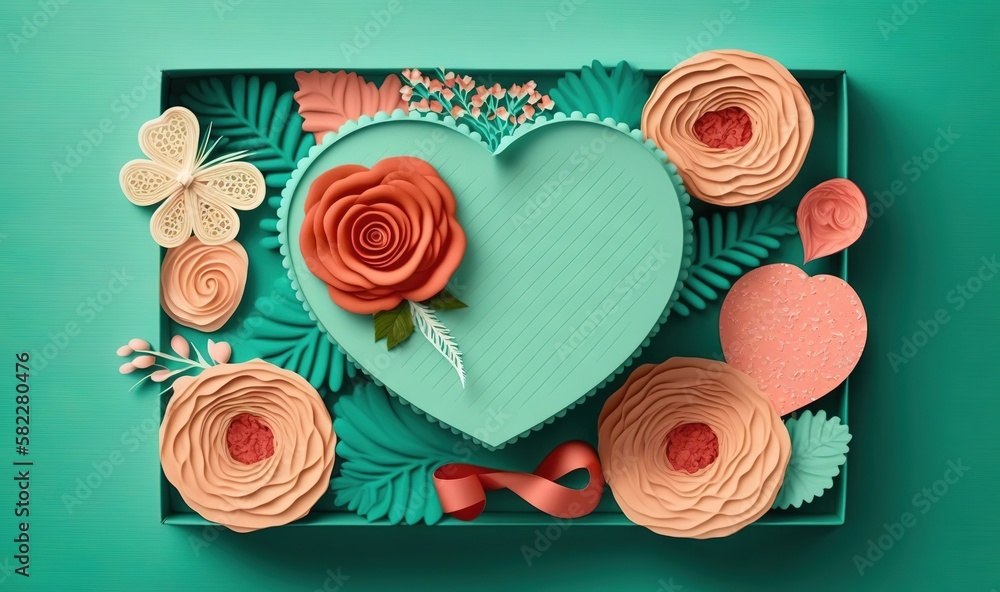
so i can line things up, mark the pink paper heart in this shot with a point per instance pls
(798, 336)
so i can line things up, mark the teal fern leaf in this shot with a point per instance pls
(282, 333)
(725, 249)
(250, 115)
(389, 455)
(619, 94)
(819, 449)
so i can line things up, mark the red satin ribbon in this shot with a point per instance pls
(462, 488)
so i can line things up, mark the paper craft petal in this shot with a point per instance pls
(831, 217)
(171, 139)
(171, 223)
(798, 336)
(328, 99)
(146, 182)
(238, 185)
(819, 449)
(215, 223)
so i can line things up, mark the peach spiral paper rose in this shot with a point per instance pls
(382, 235)
(247, 445)
(699, 113)
(202, 285)
(692, 448)
(831, 216)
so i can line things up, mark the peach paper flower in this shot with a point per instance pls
(202, 285)
(692, 448)
(382, 235)
(247, 445)
(720, 92)
(831, 216)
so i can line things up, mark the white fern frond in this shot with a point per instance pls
(439, 336)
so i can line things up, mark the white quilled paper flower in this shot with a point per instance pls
(197, 196)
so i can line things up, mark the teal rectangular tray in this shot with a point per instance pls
(696, 335)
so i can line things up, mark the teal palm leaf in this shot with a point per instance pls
(282, 333)
(251, 115)
(619, 93)
(725, 249)
(389, 455)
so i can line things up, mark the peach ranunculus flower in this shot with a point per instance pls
(202, 285)
(692, 448)
(247, 445)
(382, 235)
(698, 114)
(831, 216)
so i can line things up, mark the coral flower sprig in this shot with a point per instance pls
(493, 112)
(219, 352)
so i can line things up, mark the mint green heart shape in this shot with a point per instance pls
(578, 237)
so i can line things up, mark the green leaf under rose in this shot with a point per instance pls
(394, 325)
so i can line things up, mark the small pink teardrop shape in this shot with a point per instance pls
(180, 346)
(144, 361)
(160, 375)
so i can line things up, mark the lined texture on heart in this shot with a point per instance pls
(578, 235)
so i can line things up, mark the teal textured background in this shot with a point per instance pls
(920, 75)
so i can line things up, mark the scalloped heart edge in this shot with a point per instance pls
(399, 115)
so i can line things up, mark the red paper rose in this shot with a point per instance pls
(382, 235)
